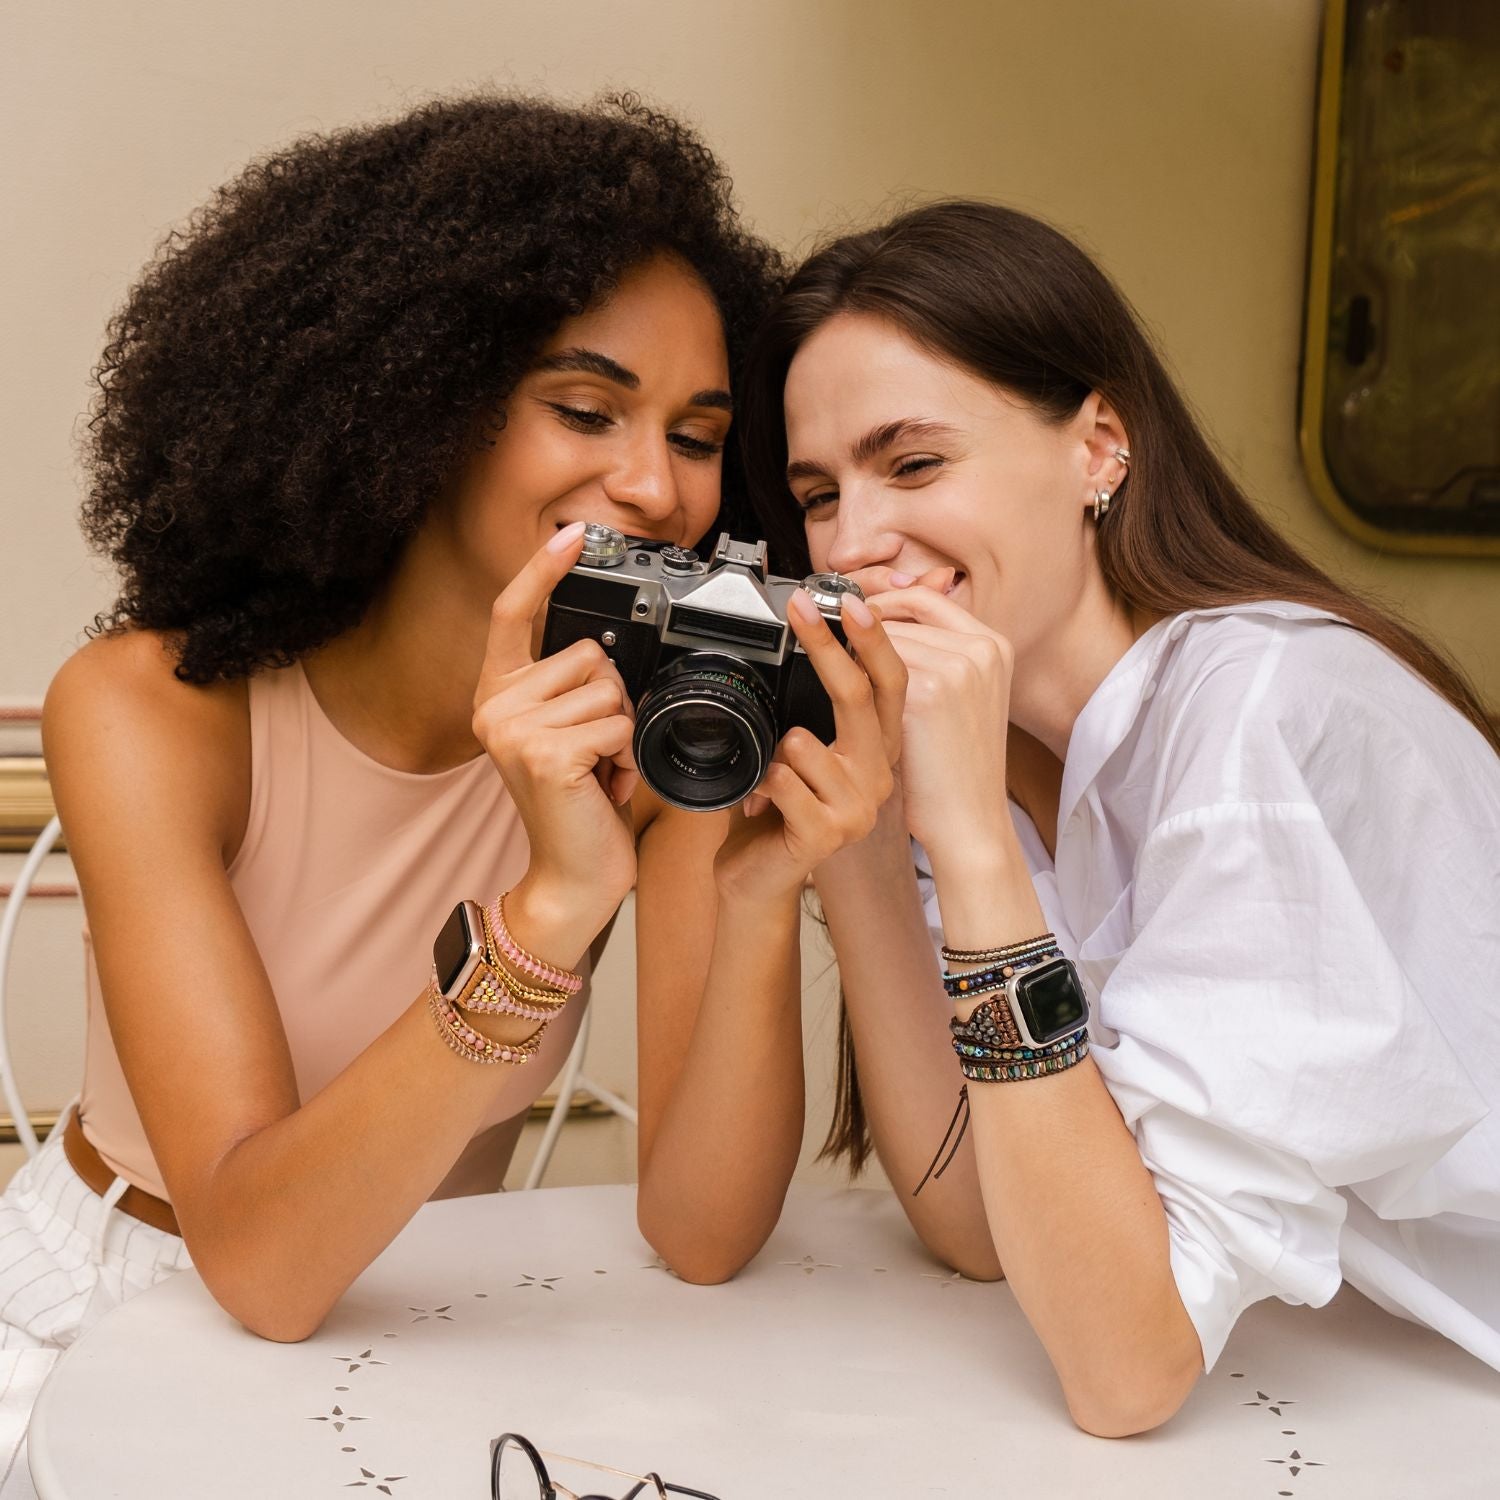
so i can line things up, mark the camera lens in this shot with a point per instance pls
(703, 738)
(704, 731)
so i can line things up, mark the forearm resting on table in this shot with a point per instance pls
(1074, 1212)
(715, 1167)
(292, 1212)
(908, 1077)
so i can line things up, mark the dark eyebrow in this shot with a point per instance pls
(876, 441)
(592, 362)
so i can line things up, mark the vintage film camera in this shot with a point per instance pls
(715, 673)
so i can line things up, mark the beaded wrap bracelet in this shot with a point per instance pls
(966, 1046)
(564, 980)
(986, 1065)
(997, 955)
(499, 990)
(501, 993)
(988, 1044)
(986, 981)
(468, 1043)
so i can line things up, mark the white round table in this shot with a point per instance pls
(842, 1363)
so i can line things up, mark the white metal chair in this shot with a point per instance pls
(571, 1082)
(8, 924)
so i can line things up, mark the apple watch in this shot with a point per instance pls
(1046, 1002)
(458, 955)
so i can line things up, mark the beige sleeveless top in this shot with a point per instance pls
(347, 872)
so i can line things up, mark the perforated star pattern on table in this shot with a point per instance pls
(1296, 1463)
(807, 1265)
(338, 1417)
(383, 1484)
(354, 1361)
(1272, 1406)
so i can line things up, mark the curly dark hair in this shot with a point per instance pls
(303, 366)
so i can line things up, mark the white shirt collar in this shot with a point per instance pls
(1115, 705)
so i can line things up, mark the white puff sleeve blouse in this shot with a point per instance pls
(1278, 870)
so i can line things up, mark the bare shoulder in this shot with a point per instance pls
(118, 725)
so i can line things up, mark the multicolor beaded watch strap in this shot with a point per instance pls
(966, 1044)
(986, 981)
(981, 1065)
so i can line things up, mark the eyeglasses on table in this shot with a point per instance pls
(517, 1472)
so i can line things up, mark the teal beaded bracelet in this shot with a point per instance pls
(978, 1051)
(1039, 1067)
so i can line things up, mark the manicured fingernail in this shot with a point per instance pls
(857, 610)
(566, 537)
(805, 609)
(902, 580)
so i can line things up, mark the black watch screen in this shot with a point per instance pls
(1052, 1001)
(454, 945)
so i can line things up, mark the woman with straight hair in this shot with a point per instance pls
(1186, 899)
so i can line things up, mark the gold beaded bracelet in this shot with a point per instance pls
(468, 1043)
(548, 1000)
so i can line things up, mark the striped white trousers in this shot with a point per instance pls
(66, 1257)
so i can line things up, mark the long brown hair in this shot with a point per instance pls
(1018, 304)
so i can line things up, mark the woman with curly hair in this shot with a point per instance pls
(1201, 914)
(351, 425)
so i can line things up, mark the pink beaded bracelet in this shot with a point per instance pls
(495, 998)
(468, 1043)
(528, 963)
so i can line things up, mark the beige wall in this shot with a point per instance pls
(1172, 136)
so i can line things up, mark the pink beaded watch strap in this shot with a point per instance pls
(528, 963)
(468, 1043)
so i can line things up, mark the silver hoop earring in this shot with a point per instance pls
(1123, 454)
(1099, 508)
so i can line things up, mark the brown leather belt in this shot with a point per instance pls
(98, 1175)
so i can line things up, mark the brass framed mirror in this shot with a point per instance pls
(1400, 400)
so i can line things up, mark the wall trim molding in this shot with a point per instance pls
(584, 1107)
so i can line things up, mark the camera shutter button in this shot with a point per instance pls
(827, 589)
(603, 546)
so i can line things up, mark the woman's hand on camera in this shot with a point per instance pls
(957, 712)
(816, 799)
(559, 732)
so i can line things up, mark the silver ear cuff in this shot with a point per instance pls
(1098, 507)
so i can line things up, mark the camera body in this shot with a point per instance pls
(707, 656)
